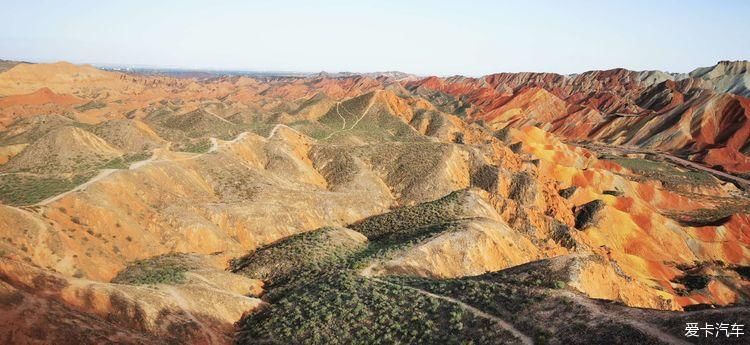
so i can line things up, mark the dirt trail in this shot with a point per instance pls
(102, 174)
(343, 125)
(106, 172)
(153, 159)
(364, 112)
(275, 128)
(217, 116)
(500, 322)
(633, 322)
(137, 165)
(343, 119)
(372, 101)
(718, 173)
(214, 147)
(681, 161)
(238, 138)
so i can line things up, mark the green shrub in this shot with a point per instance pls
(411, 219)
(312, 250)
(124, 161)
(195, 146)
(667, 173)
(91, 105)
(18, 189)
(344, 308)
(163, 269)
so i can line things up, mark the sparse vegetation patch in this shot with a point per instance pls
(20, 189)
(164, 269)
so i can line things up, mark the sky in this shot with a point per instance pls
(436, 37)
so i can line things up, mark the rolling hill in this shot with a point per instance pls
(515, 208)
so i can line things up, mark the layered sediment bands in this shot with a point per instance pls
(217, 202)
(167, 206)
(655, 110)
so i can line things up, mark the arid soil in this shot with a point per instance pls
(605, 207)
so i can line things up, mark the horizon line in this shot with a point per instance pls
(105, 65)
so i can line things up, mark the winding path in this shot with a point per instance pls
(102, 174)
(275, 128)
(153, 159)
(372, 101)
(106, 172)
(217, 116)
(343, 119)
(500, 322)
(695, 165)
(364, 112)
(646, 328)
(681, 161)
(214, 147)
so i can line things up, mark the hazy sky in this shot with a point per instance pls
(424, 37)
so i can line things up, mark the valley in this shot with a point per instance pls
(514, 208)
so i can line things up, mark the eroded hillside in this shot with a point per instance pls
(514, 208)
